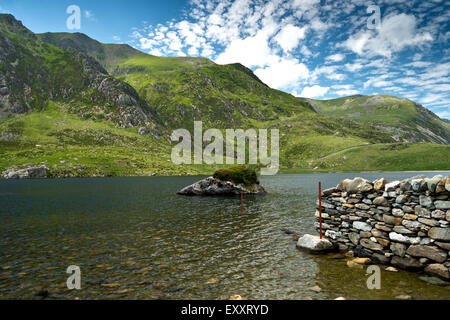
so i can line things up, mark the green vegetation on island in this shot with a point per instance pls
(238, 175)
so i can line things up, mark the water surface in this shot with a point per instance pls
(133, 238)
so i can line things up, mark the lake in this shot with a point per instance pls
(134, 238)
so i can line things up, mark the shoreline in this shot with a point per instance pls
(205, 175)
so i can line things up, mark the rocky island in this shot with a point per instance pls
(232, 181)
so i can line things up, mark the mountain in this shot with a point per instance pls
(198, 88)
(85, 108)
(189, 88)
(403, 119)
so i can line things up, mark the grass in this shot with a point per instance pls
(239, 175)
(72, 147)
(388, 157)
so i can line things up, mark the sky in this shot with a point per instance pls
(311, 48)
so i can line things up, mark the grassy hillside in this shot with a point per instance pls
(405, 120)
(388, 157)
(72, 147)
(184, 89)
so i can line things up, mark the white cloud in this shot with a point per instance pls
(396, 33)
(251, 52)
(358, 42)
(156, 52)
(342, 87)
(175, 43)
(437, 71)
(381, 83)
(304, 5)
(443, 114)
(305, 51)
(336, 76)
(283, 73)
(338, 57)
(329, 72)
(353, 67)
(146, 43)
(88, 14)
(432, 98)
(136, 35)
(289, 37)
(318, 25)
(418, 64)
(346, 92)
(438, 87)
(314, 91)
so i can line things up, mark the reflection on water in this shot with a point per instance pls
(133, 238)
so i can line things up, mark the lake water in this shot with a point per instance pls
(134, 238)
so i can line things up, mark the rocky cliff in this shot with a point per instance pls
(33, 72)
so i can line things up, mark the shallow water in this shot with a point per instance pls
(133, 238)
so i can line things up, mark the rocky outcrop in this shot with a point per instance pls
(31, 172)
(28, 79)
(143, 131)
(403, 223)
(212, 186)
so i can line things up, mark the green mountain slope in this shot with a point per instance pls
(85, 108)
(222, 96)
(108, 55)
(404, 119)
(183, 89)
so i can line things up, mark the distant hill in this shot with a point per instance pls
(405, 120)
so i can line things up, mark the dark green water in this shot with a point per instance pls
(133, 238)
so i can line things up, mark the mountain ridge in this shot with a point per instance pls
(112, 108)
(428, 126)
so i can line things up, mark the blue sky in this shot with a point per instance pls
(313, 48)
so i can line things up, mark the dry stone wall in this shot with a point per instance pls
(402, 223)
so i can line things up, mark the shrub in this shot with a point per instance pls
(238, 174)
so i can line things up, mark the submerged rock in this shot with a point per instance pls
(212, 186)
(314, 243)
